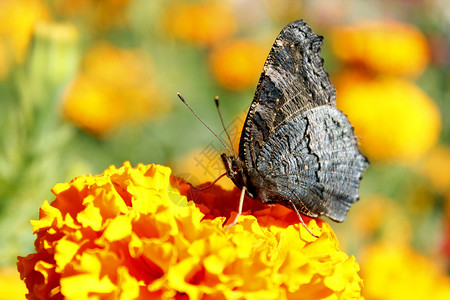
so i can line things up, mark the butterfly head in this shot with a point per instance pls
(235, 171)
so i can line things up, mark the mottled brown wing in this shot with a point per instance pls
(293, 80)
(313, 162)
(297, 148)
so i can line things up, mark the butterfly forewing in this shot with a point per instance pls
(293, 80)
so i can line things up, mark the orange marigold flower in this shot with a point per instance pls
(395, 119)
(131, 233)
(395, 271)
(200, 22)
(385, 47)
(237, 64)
(115, 87)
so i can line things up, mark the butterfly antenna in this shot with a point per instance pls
(184, 101)
(216, 100)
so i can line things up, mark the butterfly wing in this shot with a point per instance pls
(296, 146)
(293, 80)
(313, 161)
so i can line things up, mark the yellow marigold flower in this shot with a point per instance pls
(394, 271)
(395, 119)
(237, 64)
(200, 22)
(17, 21)
(115, 87)
(385, 47)
(131, 233)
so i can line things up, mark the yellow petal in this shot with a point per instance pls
(47, 216)
(90, 217)
(85, 286)
(65, 251)
(118, 228)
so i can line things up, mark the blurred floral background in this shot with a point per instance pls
(85, 84)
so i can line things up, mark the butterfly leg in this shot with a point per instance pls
(301, 220)
(241, 204)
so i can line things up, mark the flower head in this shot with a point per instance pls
(395, 119)
(385, 47)
(115, 87)
(237, 64)
(131, 233)
(200, 22)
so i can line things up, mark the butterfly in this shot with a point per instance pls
(296, 148)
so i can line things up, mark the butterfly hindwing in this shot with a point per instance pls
(313, 161)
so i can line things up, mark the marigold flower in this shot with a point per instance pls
(237, 64)
(200, 22)
(394, 271)
(115, 87)
(395, 119)
(385, 47)
(131, 233)
(17, 21)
